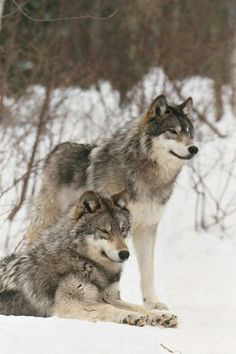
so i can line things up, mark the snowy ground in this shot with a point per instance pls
(196, 275)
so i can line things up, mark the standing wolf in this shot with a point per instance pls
(72, 270)
(144, 157)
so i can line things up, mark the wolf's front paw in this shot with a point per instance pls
(162, 319)
(134, 319)
(155, 305)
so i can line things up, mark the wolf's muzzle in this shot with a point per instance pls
(193, 150)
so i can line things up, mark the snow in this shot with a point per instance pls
(195, 271)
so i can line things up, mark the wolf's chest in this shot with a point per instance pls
(145, 212)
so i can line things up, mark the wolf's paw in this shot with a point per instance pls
(162, 319)
(155, 305)
(134, 319)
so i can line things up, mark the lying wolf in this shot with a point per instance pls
(73, 269)
(144, 157)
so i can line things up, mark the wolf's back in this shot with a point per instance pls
(67, 163)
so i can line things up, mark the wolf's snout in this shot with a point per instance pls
(193, 150)
(124, 255)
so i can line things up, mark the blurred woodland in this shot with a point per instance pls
(184, 37)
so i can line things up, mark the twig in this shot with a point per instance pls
(203, 119)
(13, 12)
(83, 17)
(169, 350)
(19, 246)
(201, 116)
(19, 179)
(40, 127)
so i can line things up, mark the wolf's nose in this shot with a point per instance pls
(193, 150)
(124, 255)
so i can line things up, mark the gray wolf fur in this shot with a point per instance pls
(144, 157)
(73, 269)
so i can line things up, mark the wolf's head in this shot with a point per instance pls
(101, 226)
(168, 128)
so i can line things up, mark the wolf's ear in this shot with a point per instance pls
(121, 199)
(88, 203)
(158, 106)
(187, 107)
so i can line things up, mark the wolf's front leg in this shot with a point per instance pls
(144, 239)
(78, 300)
(154, 318)
(98, 312)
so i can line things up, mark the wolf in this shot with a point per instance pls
(144, 158)
(73, 269)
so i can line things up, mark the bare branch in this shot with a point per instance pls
(169, 350)
(201, 116)
(83, 17)
(40, 126)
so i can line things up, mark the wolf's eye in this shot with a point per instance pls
(103, 233)
(172, 131)
(123, 228)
